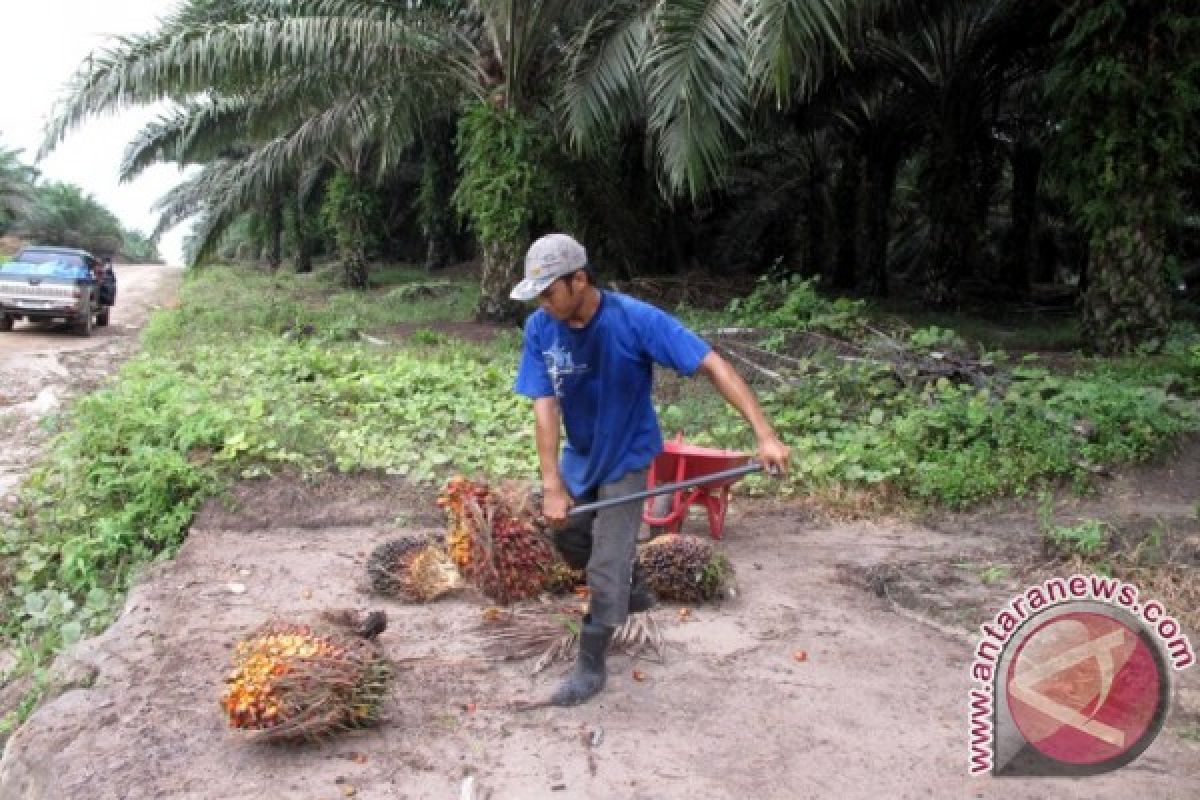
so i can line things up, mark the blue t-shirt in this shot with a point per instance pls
(602, 375)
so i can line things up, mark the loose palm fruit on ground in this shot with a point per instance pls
(685, 569)
(292, 681)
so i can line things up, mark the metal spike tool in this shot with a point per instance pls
(666, 488)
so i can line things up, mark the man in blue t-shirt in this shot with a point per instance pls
(587, 363)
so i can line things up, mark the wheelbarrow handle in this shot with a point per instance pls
(665, 488)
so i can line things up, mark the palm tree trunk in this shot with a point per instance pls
(352, 239)
(1127, 303)
(987, 170)
(1026, 167)
(350, 207)
(354, 264)
(846, 204)
(302, 236)
(877, 194)
(435, 200)
(816, 254)
(952, 209)
(501, 271)
(274, 234)
(352, 247)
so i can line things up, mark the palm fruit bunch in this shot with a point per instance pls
(414, 567)
(495, 538)
(684, 569)
(293, 681)
(564, 579)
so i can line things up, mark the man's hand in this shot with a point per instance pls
(556, 502)
(773, 455)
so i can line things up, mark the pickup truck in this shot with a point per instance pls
(48, 283)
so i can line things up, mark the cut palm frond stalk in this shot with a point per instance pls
(549, 633)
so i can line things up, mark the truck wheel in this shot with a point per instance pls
(83, 324)
(6, 322)
(102, 318)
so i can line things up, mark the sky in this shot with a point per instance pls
(44, 42)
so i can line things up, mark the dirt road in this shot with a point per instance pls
(41, 366)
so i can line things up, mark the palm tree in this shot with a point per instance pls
(290, 86)
(888, 77)
(64, 214)
(1022, 132)
(955, 64)
(323, 78)
(1126, 86)
(694, 71)
(16, 186)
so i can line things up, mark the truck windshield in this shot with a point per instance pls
(47, 269)
(50, 257)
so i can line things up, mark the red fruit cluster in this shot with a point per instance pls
(495, 540)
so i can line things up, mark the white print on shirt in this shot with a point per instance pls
(559, 363)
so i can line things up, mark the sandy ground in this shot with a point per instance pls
(878, 708)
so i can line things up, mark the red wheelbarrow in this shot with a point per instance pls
(694, 474)
(680, 463)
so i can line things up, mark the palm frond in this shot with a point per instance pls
(795, 42)
(602, 90)
(190, 134)
(227, 57)
(697, 80)
(190, 197)
(227, 188)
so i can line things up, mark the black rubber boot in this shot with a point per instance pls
(589, 674)
(641, 596)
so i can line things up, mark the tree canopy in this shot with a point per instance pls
(946, 151)
(62, 214)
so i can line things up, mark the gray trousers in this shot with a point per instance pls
(605, 542)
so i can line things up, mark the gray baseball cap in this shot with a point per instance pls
(548, 259)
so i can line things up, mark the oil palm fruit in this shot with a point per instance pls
(495, 539)
(293, 681)
(414, 568)
(388, 563)
(684, 569)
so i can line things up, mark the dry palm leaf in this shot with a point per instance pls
(549, 633)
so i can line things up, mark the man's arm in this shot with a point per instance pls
(556, 501)
(771, 451)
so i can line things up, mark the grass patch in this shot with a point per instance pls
(1020, 333)
(217, 394)
(229, 302)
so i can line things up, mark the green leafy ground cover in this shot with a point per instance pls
(252, 374)
(852, 425)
